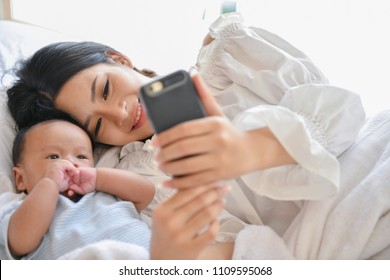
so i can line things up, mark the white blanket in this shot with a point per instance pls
(354, 224)
(108, 250)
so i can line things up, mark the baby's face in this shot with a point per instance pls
(50, 141)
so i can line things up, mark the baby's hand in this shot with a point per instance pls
(61, 172)
(83, 181)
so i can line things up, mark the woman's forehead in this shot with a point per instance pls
(89, 74)
(82, 83)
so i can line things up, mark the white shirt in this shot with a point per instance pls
(95, 217)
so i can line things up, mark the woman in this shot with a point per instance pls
(275, 133)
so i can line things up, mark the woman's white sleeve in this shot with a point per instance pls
(278, 86)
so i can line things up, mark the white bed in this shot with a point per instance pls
(355, 224)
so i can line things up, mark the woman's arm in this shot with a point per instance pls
(32, 219)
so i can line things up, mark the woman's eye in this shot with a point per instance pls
(105, 90)
(53, 157)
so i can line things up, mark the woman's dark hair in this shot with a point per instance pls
(40, 78)
(19, 141)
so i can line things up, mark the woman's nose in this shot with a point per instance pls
(117, 114)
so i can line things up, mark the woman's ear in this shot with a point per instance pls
(20, 181)
(119, 58)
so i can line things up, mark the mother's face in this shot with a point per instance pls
(105, 99)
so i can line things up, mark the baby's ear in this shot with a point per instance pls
(19, 179)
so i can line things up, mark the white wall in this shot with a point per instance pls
(346, 38)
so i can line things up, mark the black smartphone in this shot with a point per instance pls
(171, 100)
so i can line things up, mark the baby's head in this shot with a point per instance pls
(39, 146)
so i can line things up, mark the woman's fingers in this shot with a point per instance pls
(186, 222)
(186, 147)
(207, 157)
(185, 130)
(184, 198)
(186, 205)
(207, 235)
(192, 180)
(210, 105)
(204, 205)
(203, 218)
(192, 137)
(189, 165)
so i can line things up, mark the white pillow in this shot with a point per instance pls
(7, 134)
(17, 40)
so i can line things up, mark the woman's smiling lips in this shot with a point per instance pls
(139, 117)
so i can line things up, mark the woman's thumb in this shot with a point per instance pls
(210, 105)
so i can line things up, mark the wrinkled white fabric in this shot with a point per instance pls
(261, 80)
(354, 224)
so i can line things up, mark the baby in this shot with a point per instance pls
(54, 165)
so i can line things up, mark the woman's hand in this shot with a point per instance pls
(209, 141)
(211, 149)
(185, 224)
(203, 151)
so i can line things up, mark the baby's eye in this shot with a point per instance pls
(54, 156)
(82, 157)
